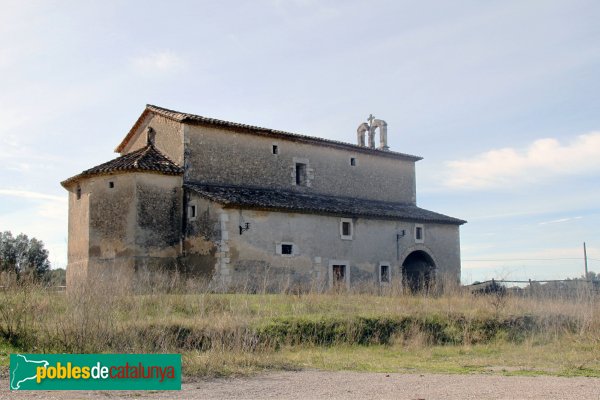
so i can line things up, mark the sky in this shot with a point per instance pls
(500, 98)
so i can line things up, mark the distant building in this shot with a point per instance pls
(245, 205)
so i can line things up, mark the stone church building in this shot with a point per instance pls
(244, 205)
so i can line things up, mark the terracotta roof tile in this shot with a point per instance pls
(284, 200)
(146, 159)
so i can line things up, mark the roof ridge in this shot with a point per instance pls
(144, 152)
(182, 117)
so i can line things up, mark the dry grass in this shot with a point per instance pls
(223, 334)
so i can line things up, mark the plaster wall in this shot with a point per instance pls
(318, 243)
(112, 216)
(79, 223)
(223, 156)
(253, 259)
(124, 223)
(442, 243)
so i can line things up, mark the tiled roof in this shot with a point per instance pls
(284, 200)
(146, 159)
(256, 130)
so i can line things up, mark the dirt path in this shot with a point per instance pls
(356, 385)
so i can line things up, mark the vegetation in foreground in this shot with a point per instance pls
(232, 334)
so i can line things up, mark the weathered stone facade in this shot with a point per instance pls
(256, 208)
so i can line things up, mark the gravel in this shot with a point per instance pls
(356, 385)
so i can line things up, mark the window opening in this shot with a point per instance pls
(286, 249)
(419, 233)
(339, 274)
(301, 174)
(384, 274)
(346, 231)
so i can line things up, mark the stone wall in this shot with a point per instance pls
(129, 222)
(202, 237)
(158, 221)
(168, 139)
(221, 156)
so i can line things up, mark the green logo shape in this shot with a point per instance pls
(95, 372)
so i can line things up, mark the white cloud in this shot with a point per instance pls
(558, 221)
(160, 62)
(44, 219)
(544, 159)
(31, 195)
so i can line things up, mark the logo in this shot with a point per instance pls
(95, 372)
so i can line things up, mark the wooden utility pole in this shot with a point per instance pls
(585, 261)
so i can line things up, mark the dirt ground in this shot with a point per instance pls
(355, 385)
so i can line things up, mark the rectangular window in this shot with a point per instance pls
(78, 193)
(275, 149)
(419, 234)
(192, 212)
(111, 184)
(301, 174)
(339, 274)
(287, 249)
(384, 273)
(353, 161)
(346, 229)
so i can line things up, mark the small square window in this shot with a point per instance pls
(287, 249)
(275, 149)
(353, 161)
(111, 184)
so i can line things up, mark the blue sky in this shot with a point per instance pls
(501, 99)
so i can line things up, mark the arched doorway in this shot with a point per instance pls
(418, 271)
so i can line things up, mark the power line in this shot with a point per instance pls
(529, 259)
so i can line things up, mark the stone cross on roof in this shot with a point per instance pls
(370, 119)
(370, 129)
